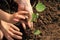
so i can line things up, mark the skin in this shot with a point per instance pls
(1, 35)
(6, 26)
(10, 31)
(14, 18)
(25, 5)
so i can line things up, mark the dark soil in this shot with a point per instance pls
(48, 22)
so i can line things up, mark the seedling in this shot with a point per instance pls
(34, 17)
(37, 32)
(40, 7)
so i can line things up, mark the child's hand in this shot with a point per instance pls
(12, 18)
(10, 31)
(16, 17)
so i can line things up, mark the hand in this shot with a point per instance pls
(25, 5)
(28, 8)
(10, 31)
(16, 17)
(1, 35)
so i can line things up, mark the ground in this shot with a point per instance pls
(48, 22)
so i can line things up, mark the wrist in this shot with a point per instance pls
(9, 18)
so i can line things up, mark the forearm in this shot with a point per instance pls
(4, 16)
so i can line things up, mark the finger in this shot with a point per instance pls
(16, 20)
(6, 34)
(14, 35)
(30, 25)
(26, 17)
(23, 24)
(15, 32)
(20, 17)
(17, 37)
(9, 37)
(1, 35)
(14, 27)
(23, 12)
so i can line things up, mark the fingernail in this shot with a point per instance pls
(26, 17)
(16, 20)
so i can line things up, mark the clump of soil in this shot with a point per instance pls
(48, 22)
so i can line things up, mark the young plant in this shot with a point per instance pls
(34, 17)
(40, 7)
(37, 32)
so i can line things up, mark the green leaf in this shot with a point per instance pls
(40, 7)
(37, 32)
(34, 17)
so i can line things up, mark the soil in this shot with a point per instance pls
(48, 22)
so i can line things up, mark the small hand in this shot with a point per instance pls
(16, 17)
(10, 31)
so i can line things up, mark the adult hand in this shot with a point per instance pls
(28, 8)
(25, 5)
(1, 35)
(10, 31)
(18, 16)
